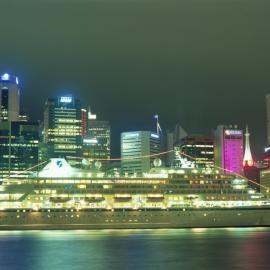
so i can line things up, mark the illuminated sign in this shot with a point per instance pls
(9, 78)
(57, 167)
(233, 132)
(91, 116)
(66, 99)
(59, 163)
(5, 77)
(90, 141)
(153, 135)
(130, 135)
(266, 149)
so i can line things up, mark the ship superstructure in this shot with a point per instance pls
(61, 195)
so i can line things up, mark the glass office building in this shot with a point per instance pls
(137, 151)
(62, 129)
(18, 147)
(9, 98)
(97, 143)
(197, 149)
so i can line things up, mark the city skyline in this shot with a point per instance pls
(134, 134)
(129, 69)
(8, 78)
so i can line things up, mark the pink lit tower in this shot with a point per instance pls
(229, 148)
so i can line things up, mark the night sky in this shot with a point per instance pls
(199, 63)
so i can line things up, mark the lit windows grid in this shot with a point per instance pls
(63, 129)
(200, 152)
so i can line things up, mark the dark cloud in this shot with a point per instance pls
(196, 62)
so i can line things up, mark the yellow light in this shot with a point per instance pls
(122, 196)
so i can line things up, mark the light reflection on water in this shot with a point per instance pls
(229, 248)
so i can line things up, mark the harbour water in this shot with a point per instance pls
(230, 248)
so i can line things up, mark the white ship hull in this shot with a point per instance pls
(132, 219)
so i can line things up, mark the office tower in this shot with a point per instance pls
(62, 129)
(97, 143)
(136, 150)
(197, 149)
(268, 118)
(23, 117)
(229, 149)
(84, 122)
(9, 98)
(265, 181)
(266, 158)
(18, 147)
(169, 142)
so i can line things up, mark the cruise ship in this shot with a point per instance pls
(62, 197)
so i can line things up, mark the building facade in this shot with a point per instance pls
(266, 158)
(97, 143)
(265, 181)
(9, 98)
(136, 150)
(84, 122)
(62, 129)
(18, 147)
(229, 149)
(197, 149)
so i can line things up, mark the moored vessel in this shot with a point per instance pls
(62, 197)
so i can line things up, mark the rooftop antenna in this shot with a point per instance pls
(159, 130)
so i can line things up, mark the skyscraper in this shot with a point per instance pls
(266, 158)
(229, 149)
(197, 149)
(18, 146)
(135, 145)
(9, 98)
(84, 122)
(97, 143)
(62, 129)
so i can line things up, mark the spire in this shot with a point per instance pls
(159, 130)
(248, 160)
